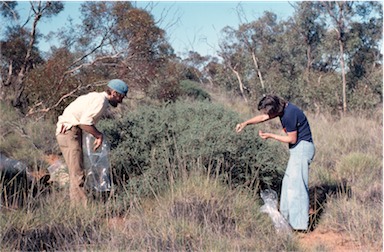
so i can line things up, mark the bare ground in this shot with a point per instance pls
(318, 240)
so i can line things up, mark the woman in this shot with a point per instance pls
(294, 201)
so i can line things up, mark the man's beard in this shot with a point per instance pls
(113, 103)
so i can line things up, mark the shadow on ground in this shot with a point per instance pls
(319, 194)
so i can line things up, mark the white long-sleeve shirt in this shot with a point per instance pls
(86, 109)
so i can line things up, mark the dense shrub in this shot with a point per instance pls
(192, 89)
(158, 144)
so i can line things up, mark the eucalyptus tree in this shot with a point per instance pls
(18, 49)
(217, 74)
(233, 55)
(250, 50)
(194, 66)
(113, 40)
(357, 28)
(363, 52)
(136, 46)
(308, 22)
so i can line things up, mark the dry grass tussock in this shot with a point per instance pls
(349, 160)
(199, 214)
(196, 214)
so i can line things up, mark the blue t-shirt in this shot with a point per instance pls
(294, 119)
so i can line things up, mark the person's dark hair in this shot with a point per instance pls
(272, 105)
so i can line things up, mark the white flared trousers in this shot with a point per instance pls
(294, 200)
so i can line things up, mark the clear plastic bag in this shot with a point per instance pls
(269, 197)
(96, 164)
(59, 173)
(12, 165)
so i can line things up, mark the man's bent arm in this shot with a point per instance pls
(91, 129)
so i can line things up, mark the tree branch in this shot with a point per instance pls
(78, 88)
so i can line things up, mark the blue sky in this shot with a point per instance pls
(198, 23)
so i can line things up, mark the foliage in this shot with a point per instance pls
(298, 58)
(133, 34)
(20, 44)
(158, 143)
(290, 58)
(193, 90)
(165, 86)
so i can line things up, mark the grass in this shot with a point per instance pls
(349, 156)
(200, 213)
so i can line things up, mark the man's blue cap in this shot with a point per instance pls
(119, 86)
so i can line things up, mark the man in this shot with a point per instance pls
(82, 115)
(294, 201)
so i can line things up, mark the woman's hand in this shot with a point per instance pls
(240, 127)
(264, 135)
(255, 120)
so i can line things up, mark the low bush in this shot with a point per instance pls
(158, 144)
(191, 89)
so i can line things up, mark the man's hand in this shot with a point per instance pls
(91, 129)
(98, 142)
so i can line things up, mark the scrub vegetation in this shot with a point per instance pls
(189, 195)
(183, 180)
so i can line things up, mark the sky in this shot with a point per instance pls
(189, 25)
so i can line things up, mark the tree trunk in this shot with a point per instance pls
(309, 63)
(343, 76)
(258, 71)
(241, 86)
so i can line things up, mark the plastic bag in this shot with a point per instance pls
(96, 164)
(9, 164)
(269, 197)
(59, 173)
(15, 180)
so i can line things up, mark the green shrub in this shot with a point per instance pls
(158, 144)
(191, 89)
